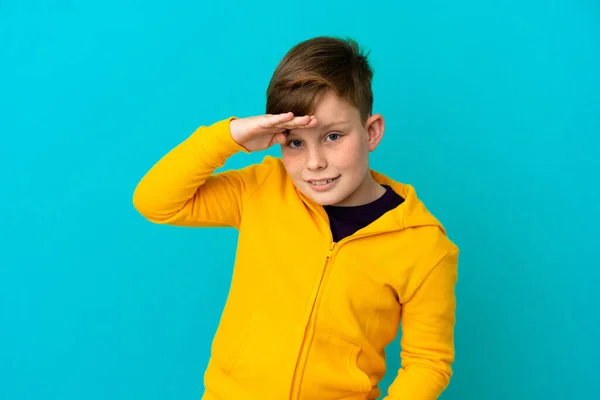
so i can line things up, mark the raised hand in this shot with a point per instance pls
(263, 131)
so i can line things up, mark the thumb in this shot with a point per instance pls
(280, 138)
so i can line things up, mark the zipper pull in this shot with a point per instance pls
(331, 247)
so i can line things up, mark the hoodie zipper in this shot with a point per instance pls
(310, 329)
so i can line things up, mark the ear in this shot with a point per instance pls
(375, 126)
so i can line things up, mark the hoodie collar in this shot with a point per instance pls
(410, 214)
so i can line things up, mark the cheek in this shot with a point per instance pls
(292, 163)
(351, 155)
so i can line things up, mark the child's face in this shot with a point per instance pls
(330, 162)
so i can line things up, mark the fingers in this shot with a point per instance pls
(274, 123)
(313, 122)
(280, 118)
(305, 121)
(273, 120)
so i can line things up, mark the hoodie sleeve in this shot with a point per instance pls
(427, 341)
(183, 189)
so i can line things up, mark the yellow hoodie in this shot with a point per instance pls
(307, 318)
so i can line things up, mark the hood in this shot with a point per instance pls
(412, 212)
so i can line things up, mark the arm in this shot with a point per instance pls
(182, 189)
(427, 342)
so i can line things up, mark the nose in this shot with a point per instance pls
(315, 159)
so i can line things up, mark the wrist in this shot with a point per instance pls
(235, 130)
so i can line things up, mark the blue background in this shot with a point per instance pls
(492, 111)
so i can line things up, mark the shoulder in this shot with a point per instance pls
(430, 243)
(268, 174)
(432, 256)
(273, 169)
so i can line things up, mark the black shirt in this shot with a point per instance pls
(344, 221)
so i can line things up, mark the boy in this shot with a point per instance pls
(331, 254)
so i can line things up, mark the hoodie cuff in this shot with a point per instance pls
(216, 143)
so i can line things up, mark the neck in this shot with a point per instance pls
(369, 191)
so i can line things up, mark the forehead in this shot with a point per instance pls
(330, 107)
(332, 112)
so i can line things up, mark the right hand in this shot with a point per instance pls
(263, 131)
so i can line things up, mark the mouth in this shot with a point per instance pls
(322, 182)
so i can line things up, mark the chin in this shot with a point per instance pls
(325, 199)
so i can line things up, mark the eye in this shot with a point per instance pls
(294, 143)
(333, 136)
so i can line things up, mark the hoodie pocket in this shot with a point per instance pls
(332, 369)
(230, 342)
(238, 346)
(248, 352)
